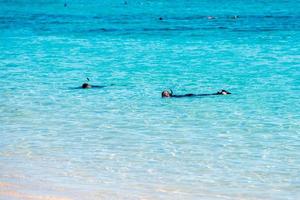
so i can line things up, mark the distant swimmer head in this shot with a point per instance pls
(86, 85)
(166, 93)
(223, 92)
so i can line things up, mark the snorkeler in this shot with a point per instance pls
(87, 85)
(169, 94)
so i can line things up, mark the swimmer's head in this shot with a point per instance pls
(86, 85)
(166, 93)
(223, 92)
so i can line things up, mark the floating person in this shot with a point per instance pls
(161, 18)
(169, 94)
(87, 85)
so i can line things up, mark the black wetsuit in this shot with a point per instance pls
(92, 86)
(97, 86)
(194, 95)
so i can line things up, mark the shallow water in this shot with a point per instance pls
(124, 141)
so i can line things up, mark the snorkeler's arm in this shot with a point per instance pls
(184, 95)
(193, 95)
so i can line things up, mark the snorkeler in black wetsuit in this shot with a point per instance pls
(88, 86)
(169, 94)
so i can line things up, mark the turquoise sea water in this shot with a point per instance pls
(124, 141)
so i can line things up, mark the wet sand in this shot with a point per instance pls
(10, 191)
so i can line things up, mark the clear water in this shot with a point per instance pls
(124, 141)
